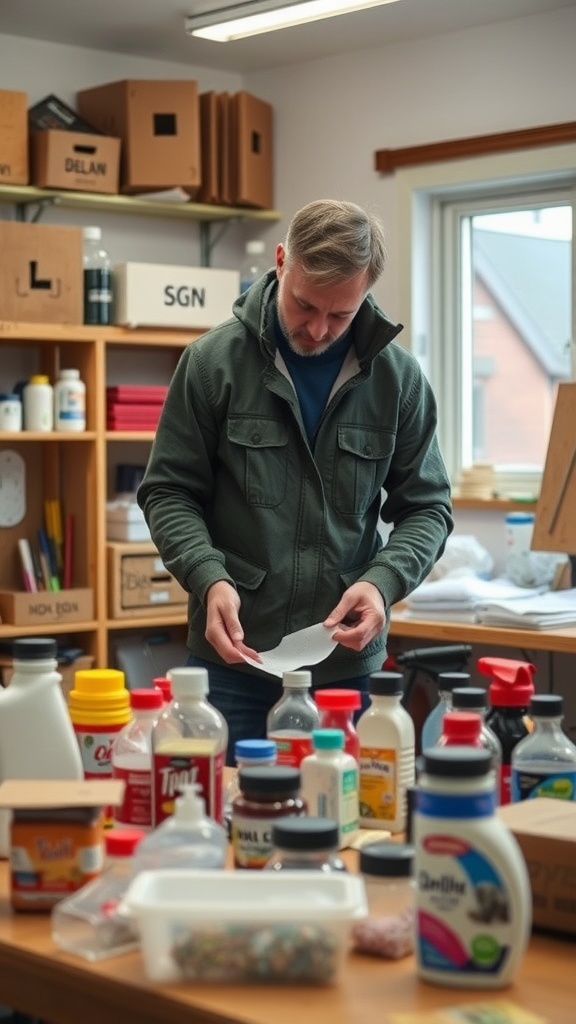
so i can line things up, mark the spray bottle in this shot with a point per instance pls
(509, 696)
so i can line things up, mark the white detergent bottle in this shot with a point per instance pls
(37, 738)
(473, 899)
(186, 839)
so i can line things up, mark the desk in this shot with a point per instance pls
(551, 640)
(41, 980)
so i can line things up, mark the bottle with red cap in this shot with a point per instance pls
(509, 695)
(461, 728)
(132, 758)
(164, 684)
(337, 709)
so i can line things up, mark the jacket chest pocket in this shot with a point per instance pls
(260, 446)
(363, 458)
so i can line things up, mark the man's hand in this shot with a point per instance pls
(360, 616)
(223, 628)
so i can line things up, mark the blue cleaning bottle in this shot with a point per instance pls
(432, 728)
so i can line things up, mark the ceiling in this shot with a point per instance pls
(155, 28)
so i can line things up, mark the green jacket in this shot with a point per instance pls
(233, 490)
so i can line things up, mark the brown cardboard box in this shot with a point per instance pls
(546, 831)
(139, 583)
(40, 273)
(21, 608)
(158, 122)
(209, 191)
(13, 138)
(252, 140)
(75, 161)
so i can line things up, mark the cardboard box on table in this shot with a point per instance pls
(40, 273)
(13, 138)
(75, 161)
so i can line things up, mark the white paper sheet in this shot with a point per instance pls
(305, 647)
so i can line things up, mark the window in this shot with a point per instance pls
(491, 272)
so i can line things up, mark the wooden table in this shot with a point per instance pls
(551, 640)
(39, 979)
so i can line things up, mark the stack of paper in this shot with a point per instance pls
(458, 598)
(550, 610)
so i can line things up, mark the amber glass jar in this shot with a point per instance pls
(265, 795)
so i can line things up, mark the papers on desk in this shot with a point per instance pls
(461, 598)
(551, 610)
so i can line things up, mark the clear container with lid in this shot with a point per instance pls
(305, 844)
(293, 718)
(387, 870)
(337, 707)
(265, 795)
(544, 763)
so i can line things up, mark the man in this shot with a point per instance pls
(287, 433)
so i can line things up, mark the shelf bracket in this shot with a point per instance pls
(209, 240)
(39, 207)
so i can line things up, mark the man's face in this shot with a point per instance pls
(314, 316)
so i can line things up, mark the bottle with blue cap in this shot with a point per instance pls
(246, 753)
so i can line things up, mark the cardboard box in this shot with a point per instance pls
(20, 608)
(140, 584)
(158, 122)
(546, 831)
(160, 295)
(252, 141)
(13, 138)
(75, 161)
(40, 273)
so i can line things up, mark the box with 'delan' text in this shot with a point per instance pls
(161, 295)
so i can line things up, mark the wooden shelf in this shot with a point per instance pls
(494, 504)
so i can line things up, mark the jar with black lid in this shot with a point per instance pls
(387, 872)
(305, 844)
(266, 794)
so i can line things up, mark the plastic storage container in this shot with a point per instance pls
(387, 870)
(293, 718)
(38, 403)
(229, 926)
(97, 278)
(305, 844)
(432, 728)
(387, 759)
(509, 695)
(70, 401)
(132, 758)
(337, 708)
(329, 779)
(544, 763)
(253, 265)
(187, 839)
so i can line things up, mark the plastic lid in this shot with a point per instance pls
(547, 705)
(32, 648)
(469, 697)
(163, 684)
(511, 685)
(255, 247)
(255, 750)
(385, 684)
(69, 374)
(268, 781)
(449, 680)
(345, 700)
(188, 682)
(328, 739)
(519, 518)
(146, 699)
(9, 396)
(121, 842)
(295, 679)
(39, 378)
(457, 762)
(92, 234)
(306, 833)
(95, 686)
(387, 860)
(461, 726)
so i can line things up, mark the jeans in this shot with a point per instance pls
(245, 700)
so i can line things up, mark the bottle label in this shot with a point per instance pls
(378, 773)
(136, 807)
(464, 919)
(450, 805)
(251, 840)
(96, 750)
(291, 747)
(183, 763)
(526, 784)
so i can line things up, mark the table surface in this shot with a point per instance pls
(41, 980)
(554, 640)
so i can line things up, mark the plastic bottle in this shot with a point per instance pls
(473, 896)
(10, 413)
(70, 401)
(188, 745)
(164, 684)
(509, 696)
(247, 753)
(187, 839)
(475, 698)
(97, 278)
(337, 709)
(253, 264)
(432, 727)
(38, 403)
(386, 733)
(544, 763)
(305, 844)
(293, 718)
(37, 738)
(132, 759)
(88, 922)
(329, 780)
(461, 728)
(266, 794)
(99, 706)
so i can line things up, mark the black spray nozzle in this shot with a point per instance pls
(435, 660)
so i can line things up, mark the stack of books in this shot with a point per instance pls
(134, 406)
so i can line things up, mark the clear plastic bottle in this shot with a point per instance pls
(247, 753)
(544, 763)
(461, 728)
(293, 718)
(97, 278)
(38, 403)
(88, 923)
(387, 870)
(132, 759)
(305, 844)
(475, 698)
(253, 264)
(387, 760)
(329, 778)
(70, 401)
(188, 745)
(432, 728)
(473, 898)
(337, 709)
(509, 695)
(188, 839)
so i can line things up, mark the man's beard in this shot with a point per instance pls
(299, 348)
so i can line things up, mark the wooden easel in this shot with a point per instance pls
(555, 524)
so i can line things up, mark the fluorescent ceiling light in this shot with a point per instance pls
(257, 16)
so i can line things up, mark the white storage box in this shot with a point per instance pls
(242, 926)
(159, 295)
(125, 521)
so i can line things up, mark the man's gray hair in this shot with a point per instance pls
(332, 241)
